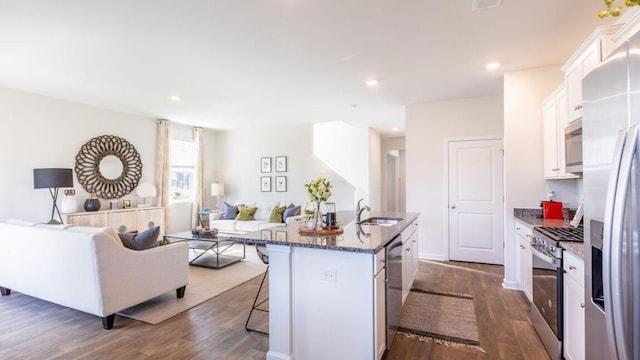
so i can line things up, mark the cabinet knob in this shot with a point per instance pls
(453, 206)
(528, 236)
(382, 261)
(407, 249)
(517, 228)
(571, 267)
(582, 305)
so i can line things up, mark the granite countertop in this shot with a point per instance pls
(533, 217)
(355, 238)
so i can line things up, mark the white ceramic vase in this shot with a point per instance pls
(69, 203)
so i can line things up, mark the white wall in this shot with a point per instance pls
(239, 153)
(40, 132)
(375, 170)
(524, 92)
(346, 150)
(428, 126)
(386, 145)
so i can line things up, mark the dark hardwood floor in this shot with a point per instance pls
(35, 329)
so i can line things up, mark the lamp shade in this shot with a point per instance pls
(52, 178)
(217, 189)
(146, 189)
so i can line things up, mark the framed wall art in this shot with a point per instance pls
(265, 234)
(265, 164)
(281, 183)
(265, 183)
(281, 163)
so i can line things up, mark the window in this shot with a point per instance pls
(183, 166)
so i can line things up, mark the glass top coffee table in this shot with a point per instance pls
(212, 251)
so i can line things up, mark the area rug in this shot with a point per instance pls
(204, 284)
(445, 318)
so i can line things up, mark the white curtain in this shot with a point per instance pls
(163, 166)
(198, 182)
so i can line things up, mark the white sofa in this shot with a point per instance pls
(87, 269)
(261, 217)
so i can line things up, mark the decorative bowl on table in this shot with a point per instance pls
(205, 231)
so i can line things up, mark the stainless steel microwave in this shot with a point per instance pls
(573, 147)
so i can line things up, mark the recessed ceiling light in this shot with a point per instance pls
(372, 83)
(492, 65)
(395, 129)
(175, 98)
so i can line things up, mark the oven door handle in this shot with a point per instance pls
(557, 263)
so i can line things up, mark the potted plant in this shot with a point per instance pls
(318, 190)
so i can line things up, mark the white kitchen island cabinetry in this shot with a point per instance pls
(574, 315)
(327, 292)
(554, 120)
(409, 258)
(524, 273)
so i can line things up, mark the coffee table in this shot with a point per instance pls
(215, 251)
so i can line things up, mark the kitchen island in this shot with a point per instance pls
(327, 292)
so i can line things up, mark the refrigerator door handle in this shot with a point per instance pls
(606, 236)
(614, 312)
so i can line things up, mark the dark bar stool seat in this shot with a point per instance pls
(264, 256)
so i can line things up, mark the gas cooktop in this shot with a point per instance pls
(561, 234)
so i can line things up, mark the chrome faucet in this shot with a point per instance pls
(359, 210)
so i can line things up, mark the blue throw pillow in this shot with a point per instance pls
(291, 211)
(141, 241)
(230, 211)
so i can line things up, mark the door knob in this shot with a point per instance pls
(453, 206)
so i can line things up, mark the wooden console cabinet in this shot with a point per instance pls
(121, 220)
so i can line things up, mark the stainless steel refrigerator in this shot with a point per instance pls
(611, 163)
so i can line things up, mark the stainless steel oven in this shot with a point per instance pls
(548, 300)
(546, 314)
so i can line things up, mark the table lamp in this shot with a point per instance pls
(53, 179)
(217, 190)
(146, 190)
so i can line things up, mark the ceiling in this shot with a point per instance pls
(255, 63)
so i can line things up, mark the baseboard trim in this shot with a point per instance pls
(508, 284)
(436, 257)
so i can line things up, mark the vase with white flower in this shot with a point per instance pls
(319, 190)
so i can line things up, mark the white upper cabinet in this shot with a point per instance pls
(554, 119)
(586, 58)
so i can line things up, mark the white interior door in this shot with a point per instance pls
(476, 201)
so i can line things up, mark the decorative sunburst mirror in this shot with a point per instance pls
(108, 166)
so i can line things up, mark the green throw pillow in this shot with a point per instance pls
(245, 213)
(276, 214)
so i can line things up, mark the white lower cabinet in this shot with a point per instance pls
(524, 274)
(409, 258)
(379, 305)
(574, 323)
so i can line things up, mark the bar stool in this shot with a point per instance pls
(264, 256)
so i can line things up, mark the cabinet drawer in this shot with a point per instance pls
(523, 230)
(573, 267)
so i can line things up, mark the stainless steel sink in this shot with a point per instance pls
(380, 221)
